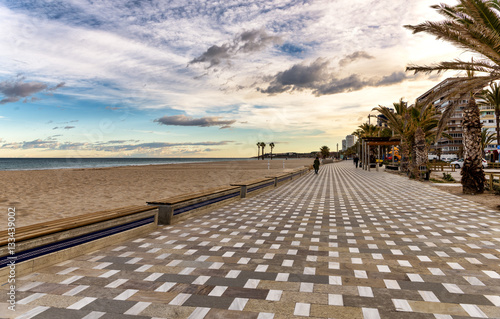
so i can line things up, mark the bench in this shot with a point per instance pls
(441, 167)
(491, 178)
(254, 186)
(176, 208)
(43, 244)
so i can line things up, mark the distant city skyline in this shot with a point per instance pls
(203, 79)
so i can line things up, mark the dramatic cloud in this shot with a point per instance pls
(14, 90)
(183, 120)
(317, 78)
(246, 42)
(348, 59)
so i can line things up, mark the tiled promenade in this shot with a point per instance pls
(342, 244)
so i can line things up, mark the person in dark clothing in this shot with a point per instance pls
(316, 165)
(356, 160)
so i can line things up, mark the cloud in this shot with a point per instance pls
(348, 59)
(14, 90)
(183, 120)
(246, 42)
(317, 78)
(68, 127)
(109, 146)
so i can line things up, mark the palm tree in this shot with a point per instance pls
(271, 145)
(263, 145)
(325, 151)
(473, 25)
(487, 137)
(258, 150)
(491, 97)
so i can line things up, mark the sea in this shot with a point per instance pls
(9, 164)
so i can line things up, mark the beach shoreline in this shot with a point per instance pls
(51, 194)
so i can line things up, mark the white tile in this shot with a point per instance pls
(453, 289)
(179, 299)
(153, 276)
(233, 274)
(109, 273)
(401, 305)
(265, 315)
(116, 283)
(282, 277)
(94, 315)
(302, 309)
(370, 313)
(75, 291)
(217, 291)
(261, 268)
(436, 271)
(126, 294)
(29, 286)
(143, 268)
(309, 271)
(186, 271)
(199, 313)
(333, 265)
(391, 284)
(335, 300)
(335, 280)
(306, 287)
(81, 303)
(238, 304)
(365, 291)
(360, 274)
(252, 283)
(415, 277)
(165, 287)
(201, 280)
(474, 281)
(30, 298)
(492, 274)
(102, 265)
(494, 299)
(383, 268)
(67, 270)
(287, 263)
(133, 260)
(274, 295)
(428, 296)
(474, 311)
(137, 308)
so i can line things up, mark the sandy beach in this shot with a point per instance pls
(43, 195)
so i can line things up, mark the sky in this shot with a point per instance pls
(186, 78)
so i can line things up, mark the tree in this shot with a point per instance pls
(271, 145)
(473, 25)
(258, 149)
(487, 137)
(263, 145)
(491, 97)
(325, 151)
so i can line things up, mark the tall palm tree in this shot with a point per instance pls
(258, 150)
(491, 97)
(271, 145)
(473, 25)
(263, 145)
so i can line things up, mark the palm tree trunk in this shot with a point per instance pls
(421, 151)
(472, 171)
(404, 153)
(497, 119)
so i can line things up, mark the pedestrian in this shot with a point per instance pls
(356, 160)
(316, 165)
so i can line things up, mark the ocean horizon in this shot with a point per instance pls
(23, 163)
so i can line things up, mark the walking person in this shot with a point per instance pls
(356, 160)
(316, 165)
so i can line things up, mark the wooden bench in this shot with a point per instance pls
(50, 242)
(441, 167)
(170, 209)
(253, 186)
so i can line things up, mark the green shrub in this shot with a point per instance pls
(496, 189)
(448, 177)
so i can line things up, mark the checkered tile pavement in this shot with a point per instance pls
(345, 243)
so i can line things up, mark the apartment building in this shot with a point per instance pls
(488, 121)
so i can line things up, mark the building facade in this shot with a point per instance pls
(350, 140)
(488, 121)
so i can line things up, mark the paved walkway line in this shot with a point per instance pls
(345, 243)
